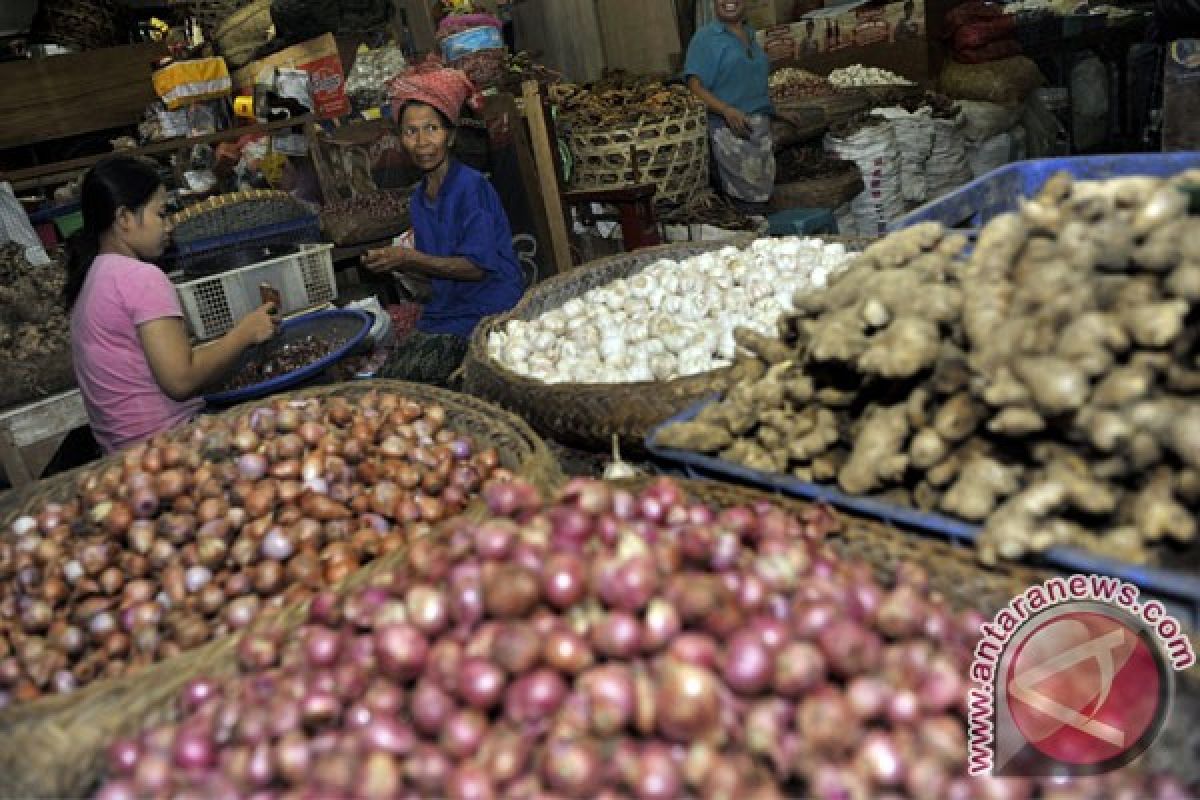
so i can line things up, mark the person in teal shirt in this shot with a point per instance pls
(728, 71)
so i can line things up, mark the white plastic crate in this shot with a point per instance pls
(212, 305)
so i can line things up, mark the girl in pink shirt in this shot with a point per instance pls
(136, 368)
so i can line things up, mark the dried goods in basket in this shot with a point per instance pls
(54, 746)
(366, 218)
(589, 414)
(235, 212)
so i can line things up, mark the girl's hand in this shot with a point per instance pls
(384, 259)
(260, 325)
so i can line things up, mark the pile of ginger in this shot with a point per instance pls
(1044, 384)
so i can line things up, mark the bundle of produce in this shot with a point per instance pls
(1046, 388)
(607, 644)
(790, 83)
(671, 319)
(620, 100)
(186, 538)
(35, 330)
(808, 163)
(710, 208)
(366, 217)
(522, 67)
(857, 75)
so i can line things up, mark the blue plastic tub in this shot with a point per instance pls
(350, 323)
(973, 205)
(802, 222)
(1178, 591)
(304, 230)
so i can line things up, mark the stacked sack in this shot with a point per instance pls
(979, 32)
(874, 149)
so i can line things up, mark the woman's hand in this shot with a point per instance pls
(385, 259)
(738, 122)
(260, 324)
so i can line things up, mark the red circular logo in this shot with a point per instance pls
(1084, 688)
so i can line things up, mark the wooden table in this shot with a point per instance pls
(35, 422)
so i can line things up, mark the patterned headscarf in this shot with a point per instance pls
(435, 85)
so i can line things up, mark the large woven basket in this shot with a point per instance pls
(586, 415)
(669, 151)
(236, 212)
(211, 13)
(955, 572)
(54, 747)
(828, 192)
(243, 32)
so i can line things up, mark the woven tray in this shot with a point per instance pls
(54, 747)
(828, 192)
(841, 105)
(671, 152)
(235, 212)
(586, 415)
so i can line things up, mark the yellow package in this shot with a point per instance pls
(185, 82)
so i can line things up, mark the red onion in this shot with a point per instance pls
(428, 609)
(193, 749)
(878, 758)
(469, 782)
(401, 650)
(944, 737)
(517, 648)
(480, 683)
(825, 722)
(904, 707)
(868, 696)
(430, 708)
(123, 757)
(572, 766)
(494, 539)
(462, 735)
(389, 735)
(427, 769)
(379, 777)
(695, 648)
(196, 693)
(661, 625)
(535, 696)
(850, 648)
(748, 665)
(617, 635)
(687, 701)
(566, 652)
(943, 687)
(504, 755)
(564, 580)
(658, 776)
(611, 696)
(322, 646)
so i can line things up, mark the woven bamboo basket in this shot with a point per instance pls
(54, 747)
(236, 212)
(670, 151)
(956, 574)
(828, 192)
(587, 415)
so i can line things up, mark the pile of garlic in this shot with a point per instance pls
(671, 319)
(858, 75)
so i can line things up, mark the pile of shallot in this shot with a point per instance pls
(190, 536)
(609, 645)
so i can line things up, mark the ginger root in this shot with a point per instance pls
(878, 454)
(698, 436)
(981, 485)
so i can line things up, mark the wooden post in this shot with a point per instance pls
(545, 159)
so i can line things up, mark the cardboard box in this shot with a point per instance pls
(848, 27)
(762, 14)
(320, 59)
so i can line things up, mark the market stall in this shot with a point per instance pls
(749, 514)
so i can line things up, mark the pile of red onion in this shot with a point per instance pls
(191, 536)
(612, 645)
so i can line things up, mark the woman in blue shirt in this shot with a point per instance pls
(728, 71)
(462, 239)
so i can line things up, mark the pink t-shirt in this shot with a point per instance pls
(124, 402)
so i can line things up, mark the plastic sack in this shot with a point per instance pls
(15, 227)
(460, 44)
(948, 167)
(1045, 134)
(914, 141)
(991, 153)
(874, 150)
(1089, 103)
(984, 120)
(366, 85)
(1007, 81)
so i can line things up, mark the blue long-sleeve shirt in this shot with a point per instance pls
(467, 220)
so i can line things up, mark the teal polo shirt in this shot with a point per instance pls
(735, 74)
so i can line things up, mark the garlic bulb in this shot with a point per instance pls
(858, 75)
(670, 319)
